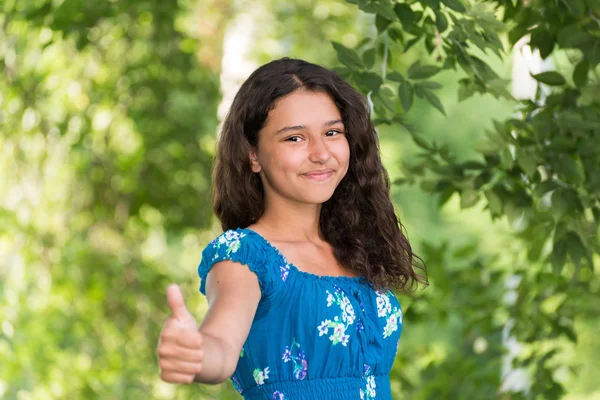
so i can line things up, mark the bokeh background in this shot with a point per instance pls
(109, 113)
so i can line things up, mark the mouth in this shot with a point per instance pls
(319, 175)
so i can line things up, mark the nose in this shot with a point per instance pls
(319, 151)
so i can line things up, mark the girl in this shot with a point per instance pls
(299, 284)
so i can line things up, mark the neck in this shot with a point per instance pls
(291, 221)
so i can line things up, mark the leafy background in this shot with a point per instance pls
(108, 116)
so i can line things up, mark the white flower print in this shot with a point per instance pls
(330, 299)
(231, 239)
(383, 304)
(348, 317)
(285, 271)
(287, 354)
(384, 310)
(323, 328)
(260, 376)
(369, 392)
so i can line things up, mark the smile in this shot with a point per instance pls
(321, 175)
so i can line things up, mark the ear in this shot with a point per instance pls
(254, 161)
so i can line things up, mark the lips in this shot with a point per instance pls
(319, 175)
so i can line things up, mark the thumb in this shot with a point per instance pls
(176, 302)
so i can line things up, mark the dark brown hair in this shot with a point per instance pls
(358, 221)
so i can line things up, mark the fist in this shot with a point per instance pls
(180, 349)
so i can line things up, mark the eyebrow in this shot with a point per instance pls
(301, 127)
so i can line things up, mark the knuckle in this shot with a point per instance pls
(165, 377)
(162, 351)
(167, 334)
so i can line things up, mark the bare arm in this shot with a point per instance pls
(233, 295)
(209, 354)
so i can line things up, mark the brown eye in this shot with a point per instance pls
(294, 139)
(333, 132)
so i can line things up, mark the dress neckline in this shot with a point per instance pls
(332, 278)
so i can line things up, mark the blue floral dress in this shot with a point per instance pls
(313, 337)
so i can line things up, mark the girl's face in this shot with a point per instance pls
(302, 153)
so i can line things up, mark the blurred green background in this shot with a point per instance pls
(108, 118)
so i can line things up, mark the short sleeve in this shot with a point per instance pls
(238, 246)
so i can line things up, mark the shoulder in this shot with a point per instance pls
(229, 242)
(238, 246)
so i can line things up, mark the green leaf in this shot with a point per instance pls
(575, 248)
(455, 5)
(418, 71)
(526, 160)
(411, 43)
(406, 94)
(580, 73)
(421, 142)
(433, 4)
(466, 89)
(430, 85)
(571, 36)
(395, 76)
(396, 34)
(575, 7)
(419, 91)
(441, 21)
(369, 58)
(434, 100)
(468, 198)
(385, 9)
(494, 202)
(570, 170)
(542, 40)
(405, 14)
(385, 100)
(370, 80)
(363, 42)
(381, 23)
(550, 78)
(347, 56)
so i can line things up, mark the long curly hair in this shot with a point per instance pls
(358, 221)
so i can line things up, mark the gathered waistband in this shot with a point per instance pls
(346, 388)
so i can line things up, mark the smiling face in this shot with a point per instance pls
(302, 153)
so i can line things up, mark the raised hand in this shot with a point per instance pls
(180, 349)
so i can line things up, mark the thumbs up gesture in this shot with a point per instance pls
(180, 349)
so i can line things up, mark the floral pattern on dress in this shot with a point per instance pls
(231, 239)
(393, 315)
(347, 318)
(277, 395)
(285, 271)
(369, 392)
(260, 375)
(299, 360)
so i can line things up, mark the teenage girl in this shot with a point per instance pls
(298, 285)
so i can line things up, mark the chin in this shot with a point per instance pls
(315, 196)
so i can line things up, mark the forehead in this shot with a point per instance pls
(303, 108)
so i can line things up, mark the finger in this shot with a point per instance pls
(180, 367)
(172, 352)
(176, 302)
(189, 340)
(174, 377)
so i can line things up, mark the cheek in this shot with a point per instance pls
(342, 152)
(284, 160)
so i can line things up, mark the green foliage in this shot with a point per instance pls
(105, 119)
(108, 123)
(538, 169)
